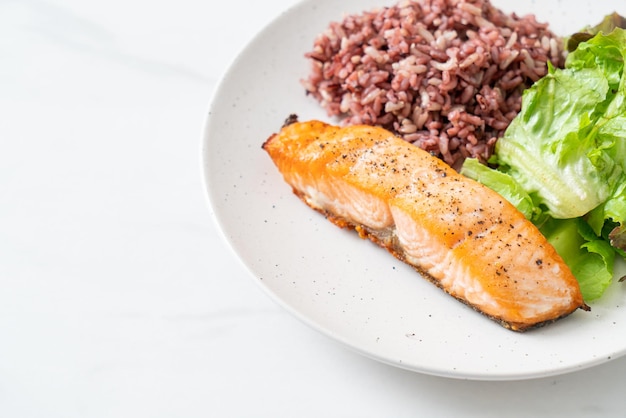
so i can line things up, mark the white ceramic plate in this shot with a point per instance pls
(346, 287)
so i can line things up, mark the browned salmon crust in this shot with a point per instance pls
(462, 236)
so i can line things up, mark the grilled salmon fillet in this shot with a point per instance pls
(459, 234)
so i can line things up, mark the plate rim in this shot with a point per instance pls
(208, 125)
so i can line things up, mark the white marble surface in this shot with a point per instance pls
(118, 297)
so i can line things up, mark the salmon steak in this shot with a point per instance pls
(459, 234)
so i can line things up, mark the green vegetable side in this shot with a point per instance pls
(562, 161)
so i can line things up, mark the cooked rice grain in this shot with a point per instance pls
(446, 75)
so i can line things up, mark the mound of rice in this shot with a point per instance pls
(446, 75)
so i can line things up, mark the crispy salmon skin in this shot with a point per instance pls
(459, 234)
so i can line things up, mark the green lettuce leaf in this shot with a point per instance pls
(590, 258)
(547, 147)
(610, 22)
